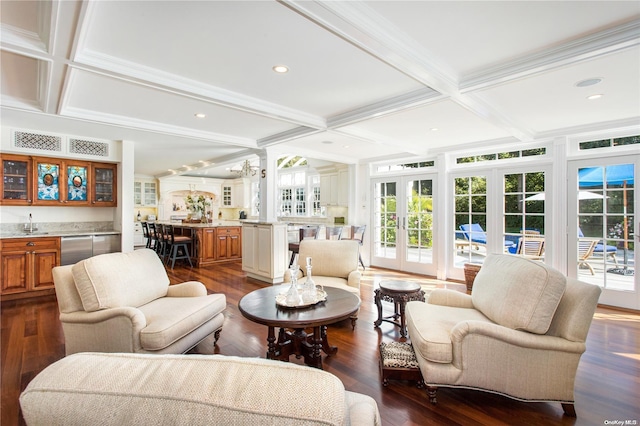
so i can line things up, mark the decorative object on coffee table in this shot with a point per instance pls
(398, 362)
(399, 293)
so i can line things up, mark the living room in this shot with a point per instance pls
(482, 103)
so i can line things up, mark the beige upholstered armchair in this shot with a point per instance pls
(122, 302)
(520, 333)
(334, 264)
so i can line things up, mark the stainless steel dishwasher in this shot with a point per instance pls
(75, 249)
(106, 244)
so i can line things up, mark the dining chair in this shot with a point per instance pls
(357, 234)
(333, 232)
(303, 232)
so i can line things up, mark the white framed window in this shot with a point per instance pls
(299, 193)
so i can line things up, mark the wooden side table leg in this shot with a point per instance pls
(378, 303)
(403, 327)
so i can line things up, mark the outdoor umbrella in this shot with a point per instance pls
(619, 174)
(582, 195)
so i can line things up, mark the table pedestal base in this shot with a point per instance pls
(301, 344)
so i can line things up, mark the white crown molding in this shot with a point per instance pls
(155, 127)
(374, 138)
(595, 45)
(361, 26)
(30, 105)
(385, 107)
(161, 80)
(22, 41)
(601, 127)
(286, 136)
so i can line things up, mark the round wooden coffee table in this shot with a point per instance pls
(260, 306)
(399, 292)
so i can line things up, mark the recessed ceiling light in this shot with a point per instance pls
(345, 146)
(281, 69)
(200, 115)
(588, 82)
(434, 129)
(596, 96)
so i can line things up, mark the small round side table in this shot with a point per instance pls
(399, 292)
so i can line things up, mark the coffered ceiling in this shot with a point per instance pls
(367, 80)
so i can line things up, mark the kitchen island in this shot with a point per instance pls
(213, 242)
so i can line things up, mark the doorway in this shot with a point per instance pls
(602, 247)
(403, 224)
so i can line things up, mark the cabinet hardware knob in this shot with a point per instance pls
(31, 244)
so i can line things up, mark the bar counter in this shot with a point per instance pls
(214, 242)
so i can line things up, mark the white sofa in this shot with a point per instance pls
(122, 302)
(140, 389)
(520, 333)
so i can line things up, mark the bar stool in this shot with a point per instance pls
(162, 242)
(177, 244)
(153, 232)
(147, 234)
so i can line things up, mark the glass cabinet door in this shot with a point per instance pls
(48, 177)
(76, 186)
(16, 180)
(137, 193)
(104, 184)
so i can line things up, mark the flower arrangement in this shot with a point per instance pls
(196, 203)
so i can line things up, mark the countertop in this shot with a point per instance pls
(214, 224)
(65, 233)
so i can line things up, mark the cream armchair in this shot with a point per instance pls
(334, 264)
(520, 333)
(122, 302)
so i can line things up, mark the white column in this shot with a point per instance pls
(268, 176)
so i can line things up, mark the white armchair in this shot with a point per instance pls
(334, 264)
(122, 302)
(520, 333)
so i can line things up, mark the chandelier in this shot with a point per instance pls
(247, 170)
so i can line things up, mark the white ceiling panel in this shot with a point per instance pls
(234, 45)
(468, 36)
(431, 126)
(19, 77)
(147, 106)
(552, 100)
(334, 146)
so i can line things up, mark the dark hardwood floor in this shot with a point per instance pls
(607, 384)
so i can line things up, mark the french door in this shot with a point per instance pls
(403, 224)
(602, 235)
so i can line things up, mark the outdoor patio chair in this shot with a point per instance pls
(530, 246)
(477, 237)
(602, 248)
(586, 248)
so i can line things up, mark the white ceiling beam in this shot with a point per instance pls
(359, 25)
(612, 40)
